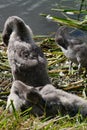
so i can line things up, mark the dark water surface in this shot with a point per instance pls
(30, 11)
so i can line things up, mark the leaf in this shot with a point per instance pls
(70, 10)
(70, 22)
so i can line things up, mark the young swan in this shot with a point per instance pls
(49, 100)
(74, 49)
(26, 59)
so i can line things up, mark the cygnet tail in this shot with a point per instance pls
(61, 37)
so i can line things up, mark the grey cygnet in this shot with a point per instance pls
(73, 48)
(47, 100)
(26, 59)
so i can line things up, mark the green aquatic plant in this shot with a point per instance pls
(80, 22)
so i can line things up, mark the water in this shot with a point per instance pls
(30, 11)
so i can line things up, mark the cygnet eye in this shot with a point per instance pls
(25, 54)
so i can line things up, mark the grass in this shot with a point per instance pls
(58, 69)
